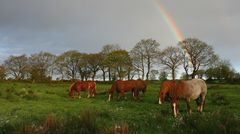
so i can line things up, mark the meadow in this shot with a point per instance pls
(46, 108)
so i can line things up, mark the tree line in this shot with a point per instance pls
(145, 61)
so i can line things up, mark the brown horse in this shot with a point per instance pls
(78, 86)
(195, 89)
(121, 87)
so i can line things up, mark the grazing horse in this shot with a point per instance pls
(195, 89)
(78, 86)
(121, 87)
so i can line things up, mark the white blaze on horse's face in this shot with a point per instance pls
(160, 102)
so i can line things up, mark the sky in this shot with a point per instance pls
(56, 26)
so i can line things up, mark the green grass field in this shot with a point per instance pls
(46, 108)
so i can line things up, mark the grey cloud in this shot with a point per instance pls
(30, 26)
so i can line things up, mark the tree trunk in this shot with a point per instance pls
(104, 74)
(173, 74)
(148, 69)
(109, 74)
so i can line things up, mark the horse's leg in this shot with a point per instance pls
(93, 92)
(202, 103)
(89, 93)
(177, 108)
(188, 106)
(174, 109)
(198, 104)
(79, 94)
(137, 94)
(123, 95)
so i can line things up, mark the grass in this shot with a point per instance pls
(46, 108)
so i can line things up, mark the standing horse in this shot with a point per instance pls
(195, 89)
(121, 87)
(79, 86)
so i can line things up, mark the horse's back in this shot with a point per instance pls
(193, 88)
(125, 85)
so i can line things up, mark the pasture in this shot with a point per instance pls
(46, 108)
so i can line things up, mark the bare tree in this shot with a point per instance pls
(198, 54)
(171, 58)
(17, 66)
(144, 54)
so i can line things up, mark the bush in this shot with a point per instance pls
(221, 121)
(84, 123)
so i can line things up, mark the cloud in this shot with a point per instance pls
(30, 26)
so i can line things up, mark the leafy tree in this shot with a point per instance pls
(105, 66)
(17, 66)
(93, 63)
(120, 62)
(143, 54)
(2, 72)
(222, 71)
(41, 66)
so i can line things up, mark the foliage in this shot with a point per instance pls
(219, 121)
(17, 66)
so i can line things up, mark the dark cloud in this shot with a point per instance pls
(30, 26)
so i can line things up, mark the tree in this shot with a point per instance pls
(41, 66)
(2, 72)
(93, 63)
(69, 63)
(17, 66)
(154, 74)
(171, 58)
(222, 71)
(197, 53)
(120, 62)
(104, 66)
(163, 76)
(144, 54)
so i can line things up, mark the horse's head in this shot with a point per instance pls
(165, 88)
(161, 96)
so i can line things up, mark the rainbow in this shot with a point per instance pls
(170, 22)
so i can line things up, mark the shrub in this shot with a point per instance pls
(220, 121)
